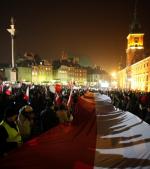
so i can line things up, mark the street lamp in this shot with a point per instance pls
(12, 33)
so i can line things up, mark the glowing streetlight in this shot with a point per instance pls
(114, 74)
(12, 33)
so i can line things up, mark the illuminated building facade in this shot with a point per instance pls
(96, 77)
(31, 68)
(135, 48)
(80, 75)
(67, 69)
(24, 74)
(42, 73)
(140, 79)
(136, 74)
(61, 74)
(139, 76)
(66, 73)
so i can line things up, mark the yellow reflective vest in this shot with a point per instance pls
(13, 134)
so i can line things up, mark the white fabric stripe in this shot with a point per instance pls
(123, 139)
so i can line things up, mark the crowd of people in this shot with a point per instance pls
(136, 102)
(23, 117)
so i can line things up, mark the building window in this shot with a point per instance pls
(136, 39)
(146, 77)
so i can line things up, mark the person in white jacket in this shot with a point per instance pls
(25, 122)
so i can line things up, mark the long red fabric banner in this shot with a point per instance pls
(63, 147)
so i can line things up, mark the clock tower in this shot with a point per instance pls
(135, 47)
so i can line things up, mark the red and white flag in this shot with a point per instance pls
(70, 99)
(99, 137)
(46, 92)
(9, 91)
(26, 95)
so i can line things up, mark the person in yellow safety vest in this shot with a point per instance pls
(10, 137)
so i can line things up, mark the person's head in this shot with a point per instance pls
(10, 114)
(26, 111)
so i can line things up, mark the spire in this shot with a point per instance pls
(135, 9)
(12, 21)
(63, 55)
(135, 26)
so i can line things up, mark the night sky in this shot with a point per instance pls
(95, 31)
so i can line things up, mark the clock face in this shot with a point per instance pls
(136, 39)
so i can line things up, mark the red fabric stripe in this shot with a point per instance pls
(68, 146)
